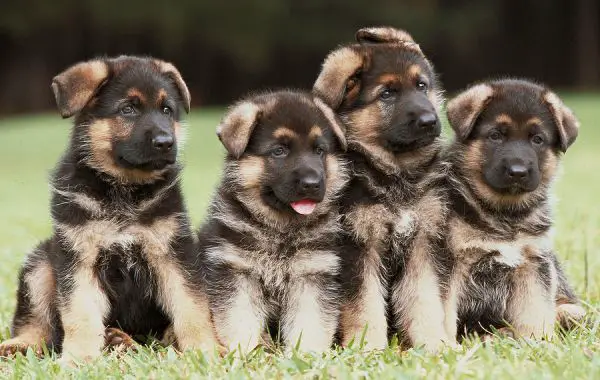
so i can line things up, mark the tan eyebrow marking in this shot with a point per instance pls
(534, 121)
(414, 71)
(135, 93)
(161, 96)
(504, 119)
(388, 78)
(315, 132)
(284, 132)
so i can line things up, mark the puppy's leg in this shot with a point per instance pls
(416, 300)
(32, 323)
(187, 307)
(310, 315)
(531, 308)
(365, 314)
(83, 307)
(240, 320)
(568, 309)
(168, 337)
(451, 303)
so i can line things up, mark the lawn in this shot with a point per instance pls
(32, 145)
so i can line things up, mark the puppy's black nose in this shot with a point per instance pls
(427, 120)
(517, 171)
(310, 184)
(163, 142)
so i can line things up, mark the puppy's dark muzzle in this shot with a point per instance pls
(421, 133)
(517, 172)
(427, 121)
(163, 143)
(160, 146)
(425, 125)
(513, 176)
(518, 177)
(153, 150)
(311, 187)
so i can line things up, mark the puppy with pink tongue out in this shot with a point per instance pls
(270, 245)
(304, 207)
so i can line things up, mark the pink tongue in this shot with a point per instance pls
(304, 207)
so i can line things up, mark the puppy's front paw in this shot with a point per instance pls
(568, 314)
(117, 340)
(501, 333)
(13, 346)
(434, 343)
(435, 347)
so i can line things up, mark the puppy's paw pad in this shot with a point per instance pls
(118, 340)
(10, 350)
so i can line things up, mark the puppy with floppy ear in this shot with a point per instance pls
(270, 243)
(509, 137)
(122, 248)
(386, 92)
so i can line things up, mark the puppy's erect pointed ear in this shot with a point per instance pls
(171, 71)
(338, 77)
(338, 127)
(75, 87)
(464, 109)
(386, 35)
(236, 127)
(382, 34)
(567, 123)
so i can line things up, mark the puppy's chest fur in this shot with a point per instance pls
(123, 235)
(385, 216)
(274, 257)
(99, 227)
(475, 235)
(486, 263)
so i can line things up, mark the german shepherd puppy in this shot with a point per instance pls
(122, 241)
(385, 91)
(270, 241)
(510, 135)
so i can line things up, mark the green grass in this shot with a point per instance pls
(32, 145)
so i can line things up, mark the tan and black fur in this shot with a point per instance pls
(122, 243)
(386, 92)
(267, 266)
(510, 135)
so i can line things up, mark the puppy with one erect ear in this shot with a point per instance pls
(122, 243)
(510, 135)
(386, 92)
(269, 245)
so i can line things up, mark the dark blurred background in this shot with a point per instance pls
(225, 49)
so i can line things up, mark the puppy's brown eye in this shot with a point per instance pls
(387, 93)
(279, 152)
(167, 110)
(422, 86)
(127, 110)
(320, 151)
(495, 136)
(537, 140)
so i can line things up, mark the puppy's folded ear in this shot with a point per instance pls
(382, 34)
(235, 129)
(566, 122)
(464, 109)
(171, 71)
(336, 124)
(338, 80)
(75, 87)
